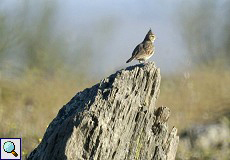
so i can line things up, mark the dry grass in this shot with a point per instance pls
(198, 97)
(28, 104)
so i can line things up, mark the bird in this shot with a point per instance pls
(145, 49)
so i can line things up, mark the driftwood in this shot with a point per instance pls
(114, 119)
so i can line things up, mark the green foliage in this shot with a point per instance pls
(34, 78)
(29, 47)
(205, 29)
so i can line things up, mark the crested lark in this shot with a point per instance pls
(145, 49)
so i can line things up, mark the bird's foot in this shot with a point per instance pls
(141, 61)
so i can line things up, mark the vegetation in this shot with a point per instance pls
(35, 80)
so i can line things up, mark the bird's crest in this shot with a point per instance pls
(150, 36)
(150, 32)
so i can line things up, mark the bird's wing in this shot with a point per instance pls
(138, 49)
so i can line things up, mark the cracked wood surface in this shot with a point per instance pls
(115, 119)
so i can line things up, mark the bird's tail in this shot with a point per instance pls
(129, 60)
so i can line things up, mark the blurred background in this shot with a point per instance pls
(50, 50)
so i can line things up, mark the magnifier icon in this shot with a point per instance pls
(9, 147)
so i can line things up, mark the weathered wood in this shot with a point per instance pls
(115, 119)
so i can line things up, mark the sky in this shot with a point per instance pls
(114, 28)
(128, 22)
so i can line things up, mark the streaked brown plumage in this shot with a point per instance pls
(145, 49)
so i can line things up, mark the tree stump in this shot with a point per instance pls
(115, 119)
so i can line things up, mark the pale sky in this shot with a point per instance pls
(130, 21)
(114, 28)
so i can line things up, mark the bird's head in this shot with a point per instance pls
(150, 36)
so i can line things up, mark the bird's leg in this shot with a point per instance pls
(143, 61)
